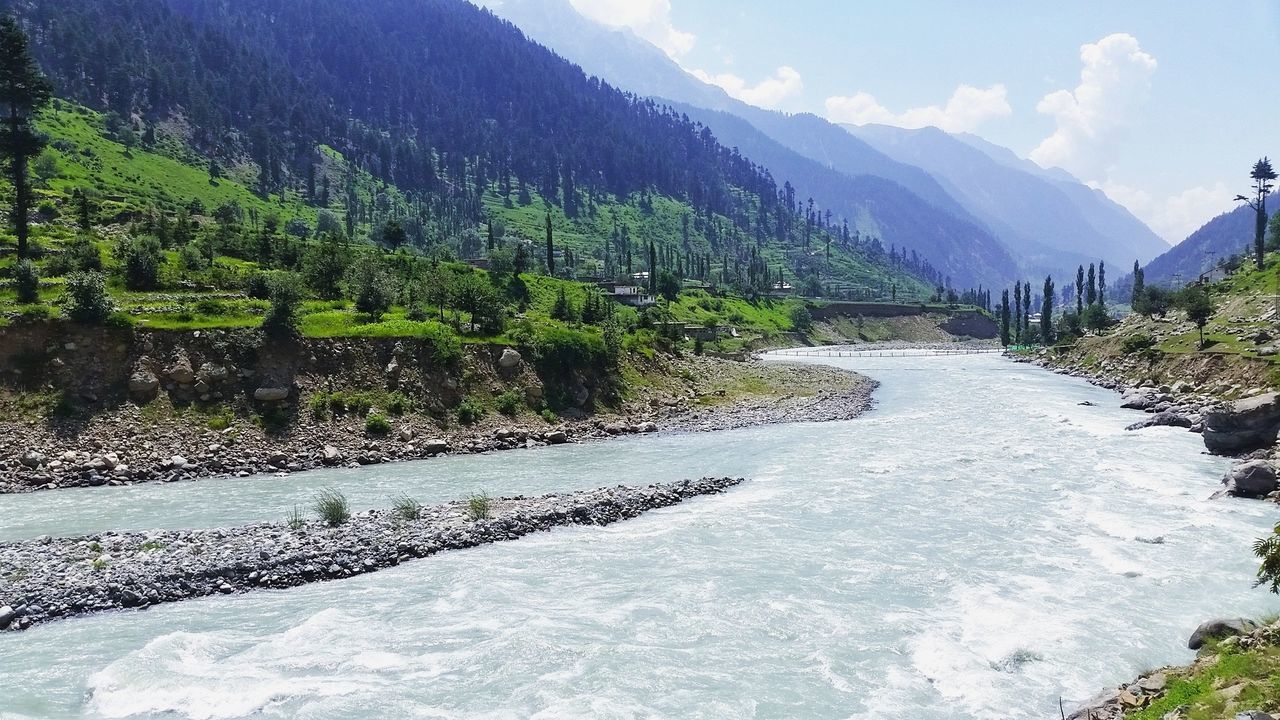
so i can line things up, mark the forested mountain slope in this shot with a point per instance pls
(1222, 237)
(456, 114)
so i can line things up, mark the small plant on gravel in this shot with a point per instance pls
(99, 564)
(510, 402)
(320, 407)
(332, 507)
(406, 508)
(95, 546)
(295, 520)
(377, 425)
(470, 412)
(478, 506)
(153, 545)
(550, 416)
(221, 421)
(397, 405)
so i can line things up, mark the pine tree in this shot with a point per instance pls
(1026, 311)
(551, 256)
(491, 243)
(1004, 318)
(24, 91)
(1080, 291)
(1102, 283)
(653, 269)
(1091, 290)
(1046, 312)
(1139, 281)
(1017, 310)
(1263, 177)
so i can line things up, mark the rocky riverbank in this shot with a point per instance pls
(1233, 677)
(55, 578)
(136, 444)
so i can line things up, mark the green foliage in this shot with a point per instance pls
(377, 425)
(294, 519)
(1137, 343)
(1196, 303)
(26, 281)
(406, 508)
(510, 402)
(332, 507)
(668, 285)
(220, 421)
(86, 298)
(258, 286)
(801, 320)
(1267, 550)
(281, 319)
(560, 349)
(550, 416)
(479, 506)
(141, 259)
(1152, 301)
(470, 411)
(370, 285)
(1095, 318)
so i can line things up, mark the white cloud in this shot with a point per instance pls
(968, 108)
(1092, 119)
(785, 82)
(1176, 216)
(650, 19)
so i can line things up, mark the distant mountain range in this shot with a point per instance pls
(1012, 217)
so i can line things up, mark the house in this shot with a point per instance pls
(632, 295)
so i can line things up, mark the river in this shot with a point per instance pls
(977, 546)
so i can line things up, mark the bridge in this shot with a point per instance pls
(845, 351)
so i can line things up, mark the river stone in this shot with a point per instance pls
(271, 394)
(1253, 479)
(7, 614)
(1165, 419)
(510, 359)
(143, 382)
(330, 455)
(1243, 425)
(434, 446)
(556, 437)
(1219, 629)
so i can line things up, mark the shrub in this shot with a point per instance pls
(87, 300)
(801, 320)
(397, 404)
(258, 286)
(332, 507)
(561, 349)
(191, 258)
(371, 287)
(141, 258)
(377, 425)
(550, 416)
(510, 402)
(319, 404)
(211, 307)
(359, 404)
(446, 346)
(479, 506)
(221, 421)
(406, 508)
(1137, 343)
(286, 295)
(26, 280)
(470, 412)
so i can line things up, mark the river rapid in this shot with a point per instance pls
(977, 546)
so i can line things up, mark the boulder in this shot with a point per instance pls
(556, 437)
(212, 374)
(7, 614)
(1219, 629)
(434, 446)
(1162, 419)
(177, 462)
(181, 372)
(271, 394)
(143, 382)
(31, 459)
(330, 455)
(1242, 425)
(1255, 479)
(1137, 401)
(510, 359)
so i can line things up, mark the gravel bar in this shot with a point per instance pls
(47, 579)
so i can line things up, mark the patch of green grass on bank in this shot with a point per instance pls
(1202, 692)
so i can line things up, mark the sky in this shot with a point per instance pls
(1163, 104)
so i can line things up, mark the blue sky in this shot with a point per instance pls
(1162, 104)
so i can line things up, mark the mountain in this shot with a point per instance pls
(878, 207)
(621, 58)
(455, 117)
(1050, 220)
(1228, 234)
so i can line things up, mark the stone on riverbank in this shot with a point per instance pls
(1243, 425)
(1220, 629)
(1254, 479)
(1162, 419)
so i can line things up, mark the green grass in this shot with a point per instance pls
(1200, 692)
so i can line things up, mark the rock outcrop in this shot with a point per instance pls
(1220, 629)
(1253, 479)
(1243, 425)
